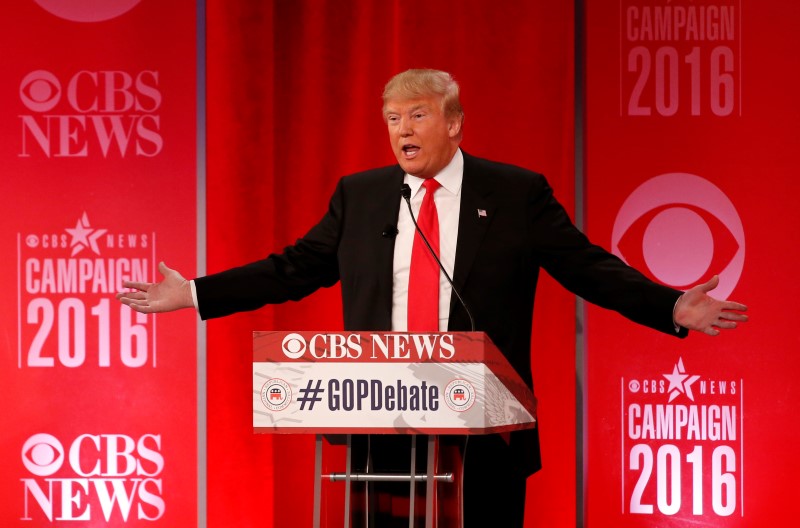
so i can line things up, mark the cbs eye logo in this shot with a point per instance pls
(40, 91)
(42, 454)
(681, 230)
(293, 346)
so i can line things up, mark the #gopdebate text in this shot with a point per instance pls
(374, 395)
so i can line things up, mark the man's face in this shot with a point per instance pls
(423, 139)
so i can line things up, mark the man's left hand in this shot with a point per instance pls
(696, 310)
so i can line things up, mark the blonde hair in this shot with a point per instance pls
(415, 83)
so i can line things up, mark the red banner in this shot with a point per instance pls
(98, 105)
(689, 140)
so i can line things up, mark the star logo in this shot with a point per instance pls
(84, 236)
(680, 382)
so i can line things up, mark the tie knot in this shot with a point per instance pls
(431, 185)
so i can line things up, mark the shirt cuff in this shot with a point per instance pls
(194, 295)
(676, 325)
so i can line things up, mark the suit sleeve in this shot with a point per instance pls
(593, 273)
(311, 263)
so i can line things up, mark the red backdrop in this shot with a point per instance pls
(293, 104)
(690, 166)
(98, 149)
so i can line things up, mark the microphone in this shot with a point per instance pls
(389, 231)
(405, 192)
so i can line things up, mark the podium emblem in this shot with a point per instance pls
(459, 395)
(276, 394)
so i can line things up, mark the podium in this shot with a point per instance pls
(339, 384)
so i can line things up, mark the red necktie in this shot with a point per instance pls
(423, 279)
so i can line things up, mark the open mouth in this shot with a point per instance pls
(410, 151)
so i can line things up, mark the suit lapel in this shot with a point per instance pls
(388, 205)
(477, 212)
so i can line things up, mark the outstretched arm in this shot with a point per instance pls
(696, 310)
(172, 293)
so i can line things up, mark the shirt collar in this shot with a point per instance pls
(449, 178)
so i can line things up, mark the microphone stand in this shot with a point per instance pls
(405, 192)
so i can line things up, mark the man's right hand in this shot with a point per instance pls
(172, 293)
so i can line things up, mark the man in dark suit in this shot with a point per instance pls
(497, 226)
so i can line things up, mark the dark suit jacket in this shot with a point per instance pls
(498, 257)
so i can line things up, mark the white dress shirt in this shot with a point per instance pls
(448, 204)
